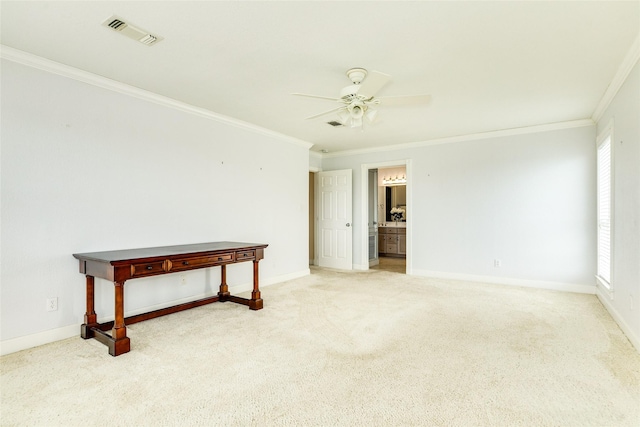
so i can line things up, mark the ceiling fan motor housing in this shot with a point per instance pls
(349, 92)
(357, 75)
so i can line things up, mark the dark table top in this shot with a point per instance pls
(161, 251)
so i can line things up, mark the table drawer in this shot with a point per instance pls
(148, 268)
(245, 255)
(189, 263)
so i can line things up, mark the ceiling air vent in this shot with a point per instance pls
(148, 39)
(126, 29)
(116, 24)
(334, 123)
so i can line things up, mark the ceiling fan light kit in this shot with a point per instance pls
(358, 98)
(356, 109)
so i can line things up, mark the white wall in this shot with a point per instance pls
(525, 199)
(88, 169)
(315, 161)
(624, 110)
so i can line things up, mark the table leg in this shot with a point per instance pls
(224, 289)
(256, 300)
(120, 343)
(90, 317)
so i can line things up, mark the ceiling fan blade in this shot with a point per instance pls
(373, 83)
(315, 96)
(327, 112)
(404, 100)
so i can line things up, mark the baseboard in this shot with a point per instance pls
(280, 279)
(38, 339)
(605, 299)
(70, 331)
(540, 284)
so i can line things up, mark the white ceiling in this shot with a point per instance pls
(488, 65)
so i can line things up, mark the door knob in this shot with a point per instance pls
(348, 224)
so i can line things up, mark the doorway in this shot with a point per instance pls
(386, 207)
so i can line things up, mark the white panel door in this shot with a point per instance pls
(334, 219)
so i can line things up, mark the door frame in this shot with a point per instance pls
(315, 170)
(364, 210)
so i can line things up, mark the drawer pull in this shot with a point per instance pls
(185, 262)
(149, 267)
(220, 259)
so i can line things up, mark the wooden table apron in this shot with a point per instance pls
(123, 265)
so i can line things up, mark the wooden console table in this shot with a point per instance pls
(120, 266)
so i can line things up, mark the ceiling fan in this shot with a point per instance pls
(358, 99)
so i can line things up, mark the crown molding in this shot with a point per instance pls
(469, 137)
(44, 64)
(623, 72)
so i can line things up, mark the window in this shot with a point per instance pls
(604, 201)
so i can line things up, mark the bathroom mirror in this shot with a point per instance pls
(395, 196)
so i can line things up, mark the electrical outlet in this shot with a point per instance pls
(52, 304)
(497, 263)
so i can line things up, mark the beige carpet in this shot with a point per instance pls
(350, 349)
